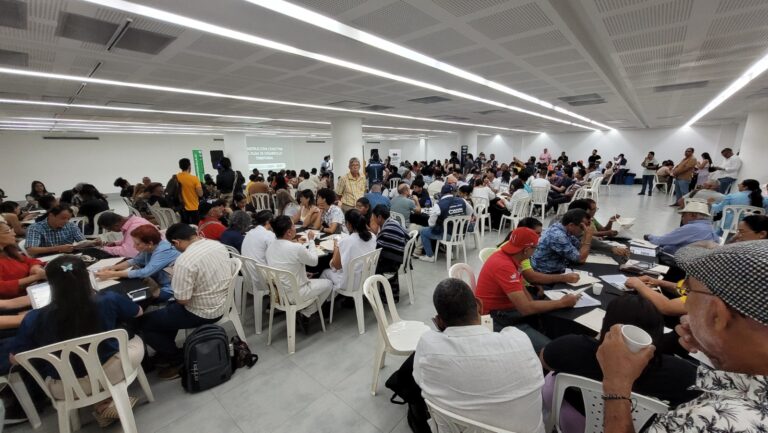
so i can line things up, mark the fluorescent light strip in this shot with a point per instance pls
(192, 23)
(753, 72)
(318, 20)
(11, 71)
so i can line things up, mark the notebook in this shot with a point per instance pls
(584, 280)
(593, 319)
(584, 301)
(105, 263)
(601, 259)
(39, 295)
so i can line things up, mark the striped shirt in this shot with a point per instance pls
(350, 189)
(42, 235)
(201, 275)
(392, 239)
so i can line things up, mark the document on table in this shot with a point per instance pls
(642, 251)
(642, 243)
(601, 259)
(626, 222)
(103, 284)
(584, 301)
(46, 259)
(592, 320)
(105, 263)
(617, 281)
(584, 279)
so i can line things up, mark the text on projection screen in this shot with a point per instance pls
(266, 157)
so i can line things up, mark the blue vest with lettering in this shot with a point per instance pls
(449, 206)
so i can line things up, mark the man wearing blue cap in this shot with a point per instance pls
(448, 206)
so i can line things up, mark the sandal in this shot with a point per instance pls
(102, 420)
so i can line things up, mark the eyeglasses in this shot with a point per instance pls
(684, 291)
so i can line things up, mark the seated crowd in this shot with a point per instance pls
(463, 366)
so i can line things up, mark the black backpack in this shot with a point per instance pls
(207, 362)
(173, 192)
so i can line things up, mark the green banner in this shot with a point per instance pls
(197, 157)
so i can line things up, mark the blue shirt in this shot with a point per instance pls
(153, 264)
(233, 238)
(556, 248)
(377, 198)
(740, 198)
(42, 235)
(694, 231)
(38, 328)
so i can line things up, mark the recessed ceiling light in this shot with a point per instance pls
(91, 80)
(319, 20)
(753, 72)
(161, 15)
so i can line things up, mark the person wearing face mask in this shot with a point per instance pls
(726, 320)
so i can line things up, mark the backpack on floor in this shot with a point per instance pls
(207, 361)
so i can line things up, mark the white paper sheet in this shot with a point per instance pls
(105, 263)
(103, 284)
(592, 320)
(642, 243)
(584, 280)
(39, 295)
(601, 259)
(642, 251)
(46, 259)
(616, 280)
(584, 301)
(625, 222)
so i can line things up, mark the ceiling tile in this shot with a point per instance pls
(512, 21)
(440, 42)
(472, 57)
(289, 62)
(198, 62)
(223, 47)
(657, 15)
(395, 20)
(459, 8)
(554, 58)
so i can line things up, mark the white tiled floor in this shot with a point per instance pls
(325, 385)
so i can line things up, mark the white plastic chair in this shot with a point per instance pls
(396, 336)
(454, 235)
(286, 299)
(482, 214)
(253, 284)
(593, 189)
(133, 211)
(80, 222)
(485, 253)
(260, 201)
(400, 218)
(465, 273)
(128, 202)
(449, 422)
(518, 211)
(234, 284)
(233, 252)
(16, 384)
(92, 389)
(359, 269)
(591, 392)
(608, 183)
(657, 182)
(97, 230)
(732, 215)
(563, 207)
(406, 268)
(539, 198)
(393, 183)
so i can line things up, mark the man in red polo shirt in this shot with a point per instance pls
(501, 289)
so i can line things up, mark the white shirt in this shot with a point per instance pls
(491, 377)
(435, 187)
(730, 168)
(351, 247)
(292, 257)
(540, 182)
(594, 175)
(201, 275)
(484, 193)
(256, 242)
(308, 184)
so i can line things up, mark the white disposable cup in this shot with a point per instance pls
(635, 338)
(597, 289)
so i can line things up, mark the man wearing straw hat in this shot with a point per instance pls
(696, 227)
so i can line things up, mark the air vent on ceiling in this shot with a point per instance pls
(489, 112)
(590, 102)
(680, 86)
(122, 104)
(68, 137)
(218, 139)
(315, 141)
(586, 99)
(377, 107)
(87, 29)
(669, 117)
(450, 117)
(429, 100)
(14, 58)
(348, 104)
(13, 13)
(373, 142)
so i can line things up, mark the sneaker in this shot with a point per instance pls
(427, 259)
(641, 193)
(169, 373)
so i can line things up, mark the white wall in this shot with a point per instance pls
(754, 152)
(60, 164)
(668, 143)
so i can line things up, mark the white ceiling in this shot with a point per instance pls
(619, 49)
